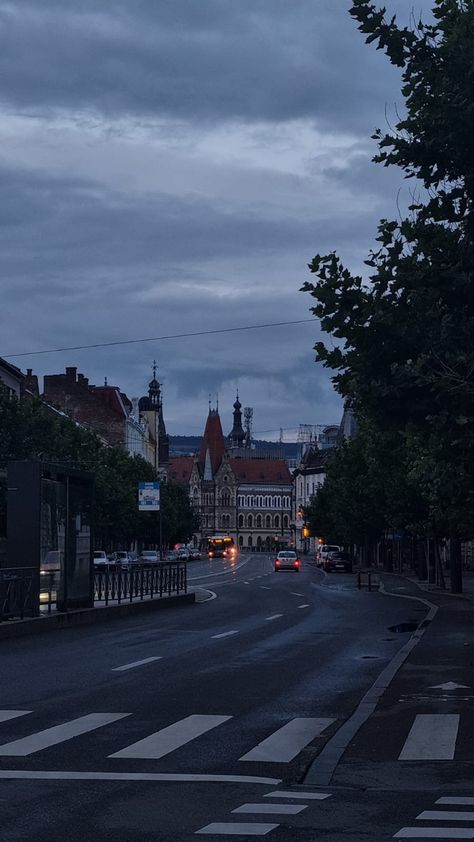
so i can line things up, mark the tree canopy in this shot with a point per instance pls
(405, 351)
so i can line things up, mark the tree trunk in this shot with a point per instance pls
(456, 563)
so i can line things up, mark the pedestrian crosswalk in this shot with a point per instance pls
(443, 823)
(427, 737)
(280, 746)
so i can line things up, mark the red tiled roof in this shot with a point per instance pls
(261, 470)
(179, 469)
(213, 440)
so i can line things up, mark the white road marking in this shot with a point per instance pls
(293, 593)
(283, 809)
(25, 775)
(238, 828)
(435, 833)
(306, 605)
(5, 715)
(174, 736)
(246, 583)
(446, 815)
(466, 800)
(316, 796)
(59, 734)
(264, 588)
(432, 737)
(274, 617)
(224, 634)
(283, 745)
(137, 663)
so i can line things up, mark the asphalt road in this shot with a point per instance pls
(212, 719)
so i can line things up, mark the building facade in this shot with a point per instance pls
(235, 491)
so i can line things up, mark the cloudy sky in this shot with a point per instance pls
(171, 166)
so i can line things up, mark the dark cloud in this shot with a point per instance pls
(216, 59)
(171, 166)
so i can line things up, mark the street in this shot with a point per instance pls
(212, 719)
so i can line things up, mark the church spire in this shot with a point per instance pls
(237, 434)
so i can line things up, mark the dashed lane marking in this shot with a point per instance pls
(174, 736)
(238, 828)
(224, 634)
(282, 809)
(137, 664)
(310, 796)
(293, 593)
(305, 605)
(59, 734)
(5, 715)
(283, 745)
(274, 617)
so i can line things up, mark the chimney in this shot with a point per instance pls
(71, 373)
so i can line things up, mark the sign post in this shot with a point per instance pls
(149, 501)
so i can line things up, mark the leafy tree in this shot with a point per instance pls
(31, 430)
(406, 352)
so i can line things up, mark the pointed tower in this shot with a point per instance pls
(213, 445)
(237, 434)
(151, 406)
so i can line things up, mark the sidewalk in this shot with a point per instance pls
(467, 583)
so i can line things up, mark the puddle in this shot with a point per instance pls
(402, 628)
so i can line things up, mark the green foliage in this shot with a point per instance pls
(405, 356)
(31, 430)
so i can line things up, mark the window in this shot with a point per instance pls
(277, 521)
(250, 521)
(258, 521)
(225, 498)
(241, 540)
(278, 502)
(241, 501)
(268, 522)
(249, 542)
(241, 521)
(285, 521)
(225, 521)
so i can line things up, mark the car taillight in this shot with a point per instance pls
(297, 562)
(210, 555)
(277, 562)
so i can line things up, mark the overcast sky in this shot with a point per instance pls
(170, 166)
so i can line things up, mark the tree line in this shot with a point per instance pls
(31, 430)
(402, 349)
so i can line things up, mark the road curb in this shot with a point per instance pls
(88, 616)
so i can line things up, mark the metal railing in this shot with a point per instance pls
(126, 585)
(17, 598)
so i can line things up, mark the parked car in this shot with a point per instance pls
(122, 558)
(149, 557)
(195, 554)
(50, 569)
(183, 554)
(338, 562)
(287, 560)
(322, 553)
(101, 562)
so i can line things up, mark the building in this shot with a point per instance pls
(150, 408)
(309, 476)
(11, 378)
(236, 491)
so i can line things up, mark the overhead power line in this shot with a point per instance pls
(155, 338)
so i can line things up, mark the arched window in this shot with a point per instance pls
(248, 502)
(241, 521)
(277, 521)
(225, 498)
(259, 542)
(278, 502)
(268, 521)
(250, 521)
(241, 501)
(285, 521)
(268, 542)
(258, 521)
(226, 521)
(241, 540)
(249, 542)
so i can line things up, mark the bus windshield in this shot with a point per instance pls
(220, 546)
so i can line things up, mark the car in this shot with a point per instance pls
(183, 554)
(287, 560)
(50, 568)
(122, 558)
(195, 554)
(101, 562)
(338, 562)
(148, 557)
(323, 551)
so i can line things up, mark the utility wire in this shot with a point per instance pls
(155, 338)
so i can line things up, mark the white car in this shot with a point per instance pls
(287, 560)
(323, 552)
(100, 560)
(149, 557)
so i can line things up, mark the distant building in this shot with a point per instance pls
(11, 378)
(150, 409)
(234, 490)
